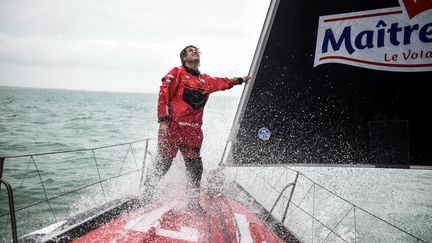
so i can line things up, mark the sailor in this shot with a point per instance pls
(182, 97)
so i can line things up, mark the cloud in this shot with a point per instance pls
(132, 36)
(91, 53)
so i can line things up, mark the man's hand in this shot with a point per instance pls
(163, 128)
(246, 78)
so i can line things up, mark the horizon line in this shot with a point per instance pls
(72, 89)
(100, 91)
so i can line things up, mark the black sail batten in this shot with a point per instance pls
(337, 110)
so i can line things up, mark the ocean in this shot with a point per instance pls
(37, 121)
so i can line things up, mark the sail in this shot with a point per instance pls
(337, 83)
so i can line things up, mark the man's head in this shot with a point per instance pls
(190, 54)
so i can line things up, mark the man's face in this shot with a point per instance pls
(192, 54)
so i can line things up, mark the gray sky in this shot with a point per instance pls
(124, 45)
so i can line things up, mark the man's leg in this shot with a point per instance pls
(193, 164)
(194, 170)
(165, 156)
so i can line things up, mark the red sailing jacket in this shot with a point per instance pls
(182, 98)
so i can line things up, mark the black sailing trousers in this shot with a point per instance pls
(166, 155)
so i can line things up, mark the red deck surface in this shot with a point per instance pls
(226, 220)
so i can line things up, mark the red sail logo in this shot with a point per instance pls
(415, 7)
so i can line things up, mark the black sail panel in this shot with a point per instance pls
(340, 82)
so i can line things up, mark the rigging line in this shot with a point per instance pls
(43, 186)
(297, 206)
(332, 230)
(269, 184)
(133, 155)
(223, 153)
(343, 199)
(371, 214)
(276, 190)
(291, 195)
(304, 196)
(350, 204)
(66, 193)
(100, 179)
(121, 169)
(78, 150)
(355, 225)
(328, 190)
(278, 199)
(282, 175)
(143, 167)
(25, 176)
(145, 154)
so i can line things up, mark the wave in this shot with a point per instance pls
(84, 118)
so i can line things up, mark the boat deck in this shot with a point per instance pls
(225, 220)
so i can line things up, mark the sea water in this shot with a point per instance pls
(34, 121)
(37, 121)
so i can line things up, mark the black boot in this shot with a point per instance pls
(147, 196)
(194, 203)
(196, 208)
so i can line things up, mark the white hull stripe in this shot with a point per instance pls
(243, 226)
(152, 220)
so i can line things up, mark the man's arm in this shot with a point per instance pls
(167, 89)
(218, 84)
